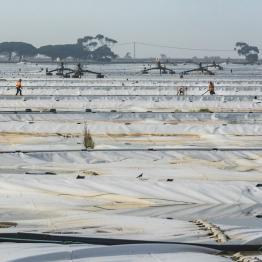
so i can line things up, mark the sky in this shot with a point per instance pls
(197, 24)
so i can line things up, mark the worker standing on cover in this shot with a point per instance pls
(211, 88)
(19, 87)
(181, 91)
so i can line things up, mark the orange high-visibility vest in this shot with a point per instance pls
(18, 84)
(211, 87)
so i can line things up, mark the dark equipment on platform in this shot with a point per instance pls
(202, 69)
(162, 68)
(74, 73)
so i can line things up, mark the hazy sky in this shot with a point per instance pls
(213, 24)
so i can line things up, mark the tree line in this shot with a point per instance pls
(98, 48)
(249, 52)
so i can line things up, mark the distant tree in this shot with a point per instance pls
(85, 41)
(110, 42)
(103, 53)
(63, 51)
(128, 55)
(250, 52)
(95, 47)
(92, 46)
(100, 39)
(19, 48)
(87, 38)
(88, 47)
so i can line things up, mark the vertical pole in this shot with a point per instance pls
(134, 50)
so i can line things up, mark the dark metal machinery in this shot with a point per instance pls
(79, 72)
(74, 73)
(162, 69)
(60, 71)
(202, 69)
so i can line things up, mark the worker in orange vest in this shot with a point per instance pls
(19, 87)
(211, 88)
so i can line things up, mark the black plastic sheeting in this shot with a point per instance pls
(66, 240)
